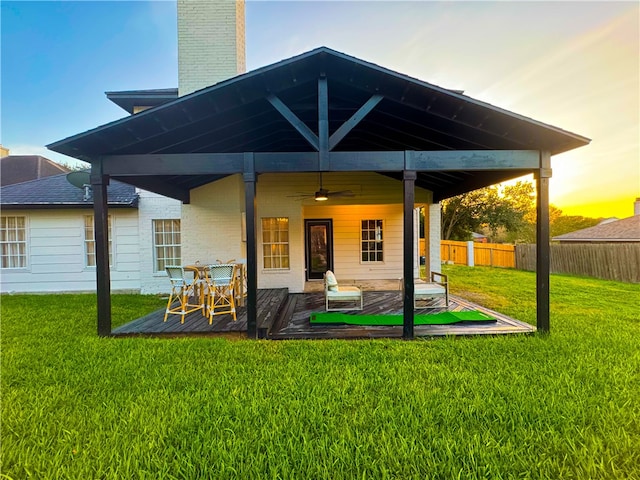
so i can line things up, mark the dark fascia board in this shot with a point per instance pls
(129, 99)
(59, 145)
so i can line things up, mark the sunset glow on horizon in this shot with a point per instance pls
(572, 65)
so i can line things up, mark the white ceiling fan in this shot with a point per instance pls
(323, 194)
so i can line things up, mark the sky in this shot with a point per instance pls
(573, 65)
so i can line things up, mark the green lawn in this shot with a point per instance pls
(567, 405)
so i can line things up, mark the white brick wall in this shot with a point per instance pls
(211, 42)
(212, 223)
(153, 207)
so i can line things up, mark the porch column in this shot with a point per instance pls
(409, 179)
(249, 177)
(543, 254)
(99, 183)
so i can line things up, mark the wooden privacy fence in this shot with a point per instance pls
(473, 253)
(608, 261)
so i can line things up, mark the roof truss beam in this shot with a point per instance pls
(295, 121)
(322, 142)
(355, 119)
(230, 163)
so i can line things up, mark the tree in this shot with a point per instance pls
(570, 223)
(488, 208)
(507, 215)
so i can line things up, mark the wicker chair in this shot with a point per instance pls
(221, 281)
(186, 292)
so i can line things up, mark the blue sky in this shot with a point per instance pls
(573, 65)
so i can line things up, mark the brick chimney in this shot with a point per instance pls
(211, 42)
(636, 207)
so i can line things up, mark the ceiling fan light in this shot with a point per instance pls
(322, 195)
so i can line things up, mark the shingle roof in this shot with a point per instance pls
(57, 192)
(625, 230)
(22, 168)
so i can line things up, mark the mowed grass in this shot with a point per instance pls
(562, 406)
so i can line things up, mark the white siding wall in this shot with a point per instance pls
(377, 197)
(212, 223)
(56, 257)
(153, 207)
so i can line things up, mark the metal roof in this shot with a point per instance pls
(236, 116)
(56, 192)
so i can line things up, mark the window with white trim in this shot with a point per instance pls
(13, 241)
(90, 241)
(371, 246)
(275, 242)
(167, 247)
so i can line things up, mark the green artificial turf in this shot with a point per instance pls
(442, 318)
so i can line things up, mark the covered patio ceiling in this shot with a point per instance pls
(369, 109)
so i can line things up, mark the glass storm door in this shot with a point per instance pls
(319, 247)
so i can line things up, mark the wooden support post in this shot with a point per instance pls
(409, 179)
(250, 178)
(543, 254)
(99, 183)
(323, 123)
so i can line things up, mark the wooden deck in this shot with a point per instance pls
(286, 316)
(269, 304)
(295, 324)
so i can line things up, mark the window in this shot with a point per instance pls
(372, 241)
(166, 243)
(90, 241)
(275, 242)
(13, 241)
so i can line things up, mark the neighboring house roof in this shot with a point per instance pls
(129, 100)
(625, 230)
(22, 168)
(57, 192)
(264, 111)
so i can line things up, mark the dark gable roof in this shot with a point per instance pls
(237, 115)
(22, 168)
(129, 99)
(625, 230)
(57, 192)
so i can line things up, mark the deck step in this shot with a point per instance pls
(269, 307)
(286, 312)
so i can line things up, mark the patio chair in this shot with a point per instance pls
(336, 295)
(186, 290)
(241, 282)
(438, 287)
(221, 280)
